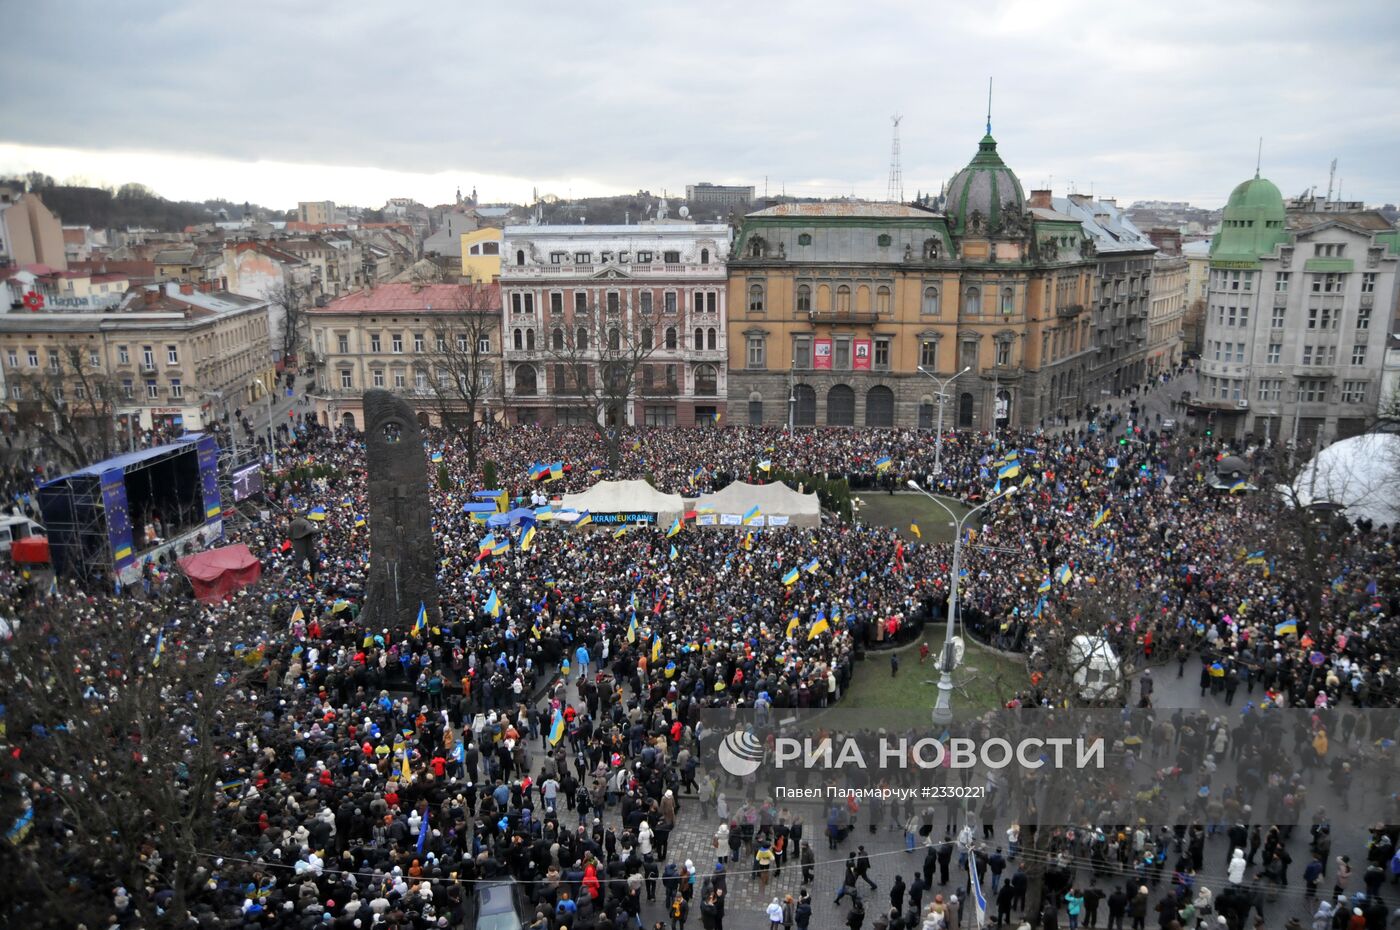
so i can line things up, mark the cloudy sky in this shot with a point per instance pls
(281, 101)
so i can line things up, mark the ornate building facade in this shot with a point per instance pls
(856, 314)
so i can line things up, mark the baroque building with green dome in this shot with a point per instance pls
(1298, 304)
(848, 313)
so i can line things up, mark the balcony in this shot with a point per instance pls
(842, 316)
(1068, 310)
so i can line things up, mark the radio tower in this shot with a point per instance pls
(895, 193)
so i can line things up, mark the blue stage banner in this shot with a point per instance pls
(209, 477)
(118, 519)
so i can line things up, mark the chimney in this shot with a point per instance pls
(186, 289)
(152, 295)
(1080, 199)
(1041, 199)
(1111, 201)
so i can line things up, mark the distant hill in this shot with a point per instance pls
(134, 205)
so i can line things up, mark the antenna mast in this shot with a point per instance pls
(895, 191)
(1331, 179)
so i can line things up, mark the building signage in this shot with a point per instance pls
(1246, 266)
(862, 359)
(822, 354)
(615, 519)
(82, 303)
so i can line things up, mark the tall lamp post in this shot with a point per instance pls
(942, 399)
(271, 436)
(943, 710)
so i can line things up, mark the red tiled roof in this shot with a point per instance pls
(409, 298)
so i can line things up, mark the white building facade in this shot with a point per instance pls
(652, 296)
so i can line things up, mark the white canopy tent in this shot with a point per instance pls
(1361, 473)
(772, 500)
(625, 497)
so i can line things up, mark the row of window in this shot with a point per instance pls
(570, 379)
(148, 357)
(1320, 283)
(523, 340)
(756, 354)
(929, 306)
(670, 257)
(1319, 317)
(128, 390)
(399, 378)
(672, 302)
(1309, 390)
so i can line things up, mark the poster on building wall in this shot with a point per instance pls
(862, 359)
(821, 357)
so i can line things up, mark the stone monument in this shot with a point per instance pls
(403, 556)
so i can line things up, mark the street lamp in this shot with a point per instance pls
(942, 398)
(943, 710)
(271, 438)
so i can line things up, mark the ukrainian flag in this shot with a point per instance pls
(527, 540)
(812, 567)
(675, 528)
(791, 577)
(765, 465)
(792, 626)
(1239, 487)
(818, 628)
(883, 463)
(1288, 626)
(360, 519)
(751, 515)
(421, 623)
(160, 648)
(1101, 516)
(656, 648)
(556, 471)
(1217, 670)
(1009, 470)
(584, 520)
(674, 554)
(437, 456)
(488, 542)
(501, 547)
(493, 604)
(1255, 558)
(556, 727)
(1063, 574)
(621, 531)
(914, 528)
(632, 627)
(317, 513)
(1044, 585)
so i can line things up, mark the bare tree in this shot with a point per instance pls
(115, 764)
(72, 406)
(294, 299)
(460, 369)
(603, 356)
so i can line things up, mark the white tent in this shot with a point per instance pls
(625, 497)
(1361, 473)
(772, 500)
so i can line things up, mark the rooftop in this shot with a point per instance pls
(846, 208)
(1106, 224)
(410, 298)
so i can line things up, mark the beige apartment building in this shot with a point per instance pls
(172, 356)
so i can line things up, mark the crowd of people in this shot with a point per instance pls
(549, 732)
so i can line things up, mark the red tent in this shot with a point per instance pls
(31, 549)
(218, 573)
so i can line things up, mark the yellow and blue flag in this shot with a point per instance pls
(437, 456)
(493, 604)
(790, 578)
(792, 626)
(883, 463)
(556, 728)
(1044, 585)
(317, 513)
(656, 648)
(813, 566)
(528, 539)
(1288, 626)
(751, 515)
(1009, 470)
(765, 465)
(584, 519)
(674, 554)
(620, 532)
(1063, 574)
(360, 519)
(914, 528)
(818, 628)
(1255, 558)
(632, 627)
(1101, 517)
(160, 649)
(675, 528)
(502, 546)
(421, 624)
(1239, 487)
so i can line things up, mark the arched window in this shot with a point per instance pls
(972, 302)
(843, 299)
(530, 340)
(518, 340)
(1008, 300)
(706, 381)
(879, 406)
(581, 340)
(841, 406)
(804, 405)
(964, 410)
(930, 307)
(704, 256)
(557, 339)
(519, 256)
(710, 342)
(525, 380)
(670, 337)
(882, 299)
(755, 298)
(699, 342)
(804, 298)
(614, 339)
(646, 337)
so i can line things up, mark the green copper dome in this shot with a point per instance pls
(987, 188)
(1253, 223)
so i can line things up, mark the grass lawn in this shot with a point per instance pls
(915, 688)
(900, 510)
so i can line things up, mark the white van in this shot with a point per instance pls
(12, 528)
(1098, 674)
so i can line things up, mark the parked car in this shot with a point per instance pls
(496, 906)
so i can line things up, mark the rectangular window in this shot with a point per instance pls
(53, 360)
(396, 343)
(16, 392)
(623, 257)
(802, 352)
(148, 357)
(670, 299)
(33, 358)
(882, 355)
(377, 377)
(374, 345)
(342, 343)
(1280, 317)
(483, 345)
(14, 358)
(417, 342)
(152, 389)
(660, 416)
(1281, 281)
(128, 389)
(842, 352)
(583, 258)
(614, 303)
(176, 388)
(1329, 283)
(1275, 352)
(757, 356)
(1003, 353)
(1358, 354)
(529, 303)
(1312, 391)
(605, 257)
(123, 356)
(1269, 388)
(345, 378)
(1353, 392)
(1368, 283)
(172, 355)
(580, 302)
(556, 303)
(646, 303)
(398, 378)
(558, 258)
(711, 302)
(671, 258)
(1363, 318)
(928, 354)
(94, 360)
(644, 258)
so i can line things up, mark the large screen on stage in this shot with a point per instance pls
(247, 482)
